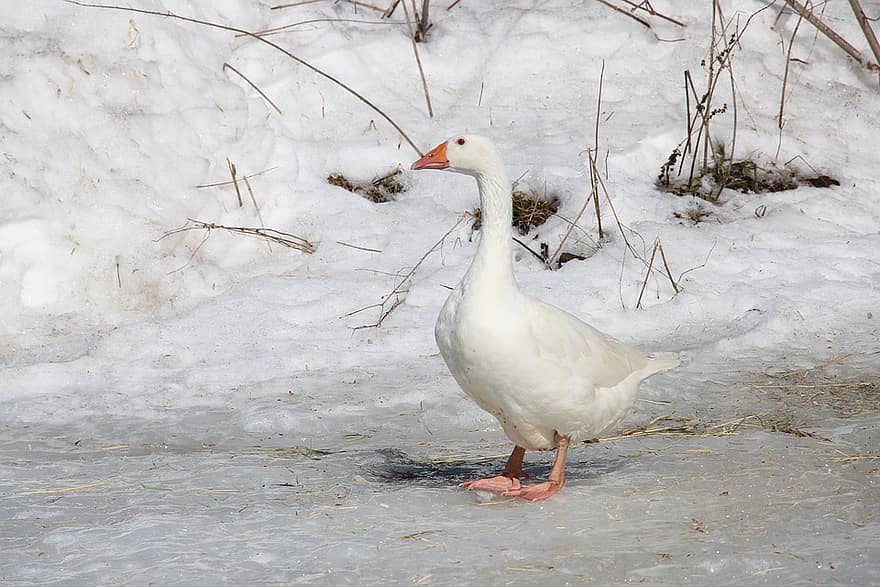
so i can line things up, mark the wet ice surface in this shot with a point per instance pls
(140, 502)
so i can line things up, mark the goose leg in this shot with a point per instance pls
(539, 491)
(508, 480)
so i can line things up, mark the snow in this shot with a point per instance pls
(191, 410)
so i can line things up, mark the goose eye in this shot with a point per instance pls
(460, 141)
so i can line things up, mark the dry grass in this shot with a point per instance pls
(91, 486)
(821, 387)
(383, 188)
(530, 210)
(694, 215)
(747, 176)
(663, 426)
(269, 235)
(668, 425)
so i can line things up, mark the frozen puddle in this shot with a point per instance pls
(754, 507)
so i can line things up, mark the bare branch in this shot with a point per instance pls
(285, 239)
(231, 166)
(395, 297)
(831, 34)
(866, 28)
(641, 21)
(412, 37)
(223, 183)
(646, 6)
(275, 46)
(254, 86)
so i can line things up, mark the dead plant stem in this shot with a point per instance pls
(415, 46)
(275, 46)
(231, 166)
(866, 28)
(780, 120)
(647, 274)
(650, 10)
(254, 86)
(832, 35)
(641, 21)
(224, 183)
(398, 291)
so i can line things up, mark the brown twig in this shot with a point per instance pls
(866, 28)
(646, 6)
(283, 28)
(832, 35)
(257, 208)
(529, 249)
(359, 248)
(398, 293)
(666, 266)
(391, 8)
(641, 21)
(365, 5)
(593, 167)
(285, 239)
(254, 86)
(548, 262)
(294, 4)
(647, 273)
(423, 22)
(224, 183)
(412, 36)
(275, 46)
(231, 166)
(780, 121)
(594, 192)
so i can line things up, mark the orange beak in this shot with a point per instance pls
(433, 159)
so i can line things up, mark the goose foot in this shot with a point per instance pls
(506, 481)
(539, 491)
(535, 491)
(500, 484)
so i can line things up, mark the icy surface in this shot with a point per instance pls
(191, 410)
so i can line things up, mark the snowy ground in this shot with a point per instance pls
(190, 411)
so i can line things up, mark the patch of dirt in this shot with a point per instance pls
(381, 189)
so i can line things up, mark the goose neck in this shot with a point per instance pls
(493, 261)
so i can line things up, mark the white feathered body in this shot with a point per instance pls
(539, 370)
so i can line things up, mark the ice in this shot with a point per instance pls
(194, 408)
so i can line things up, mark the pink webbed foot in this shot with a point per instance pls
(539, 491)
(506, 481)
(500, 484)
(535, 491)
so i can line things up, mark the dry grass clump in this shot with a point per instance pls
(695, 215)
(822, 387)
(383, 188)
(743, 175)
(530, 210)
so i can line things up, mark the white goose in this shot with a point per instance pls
(549, 378)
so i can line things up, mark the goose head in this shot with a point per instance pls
(468, 154)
